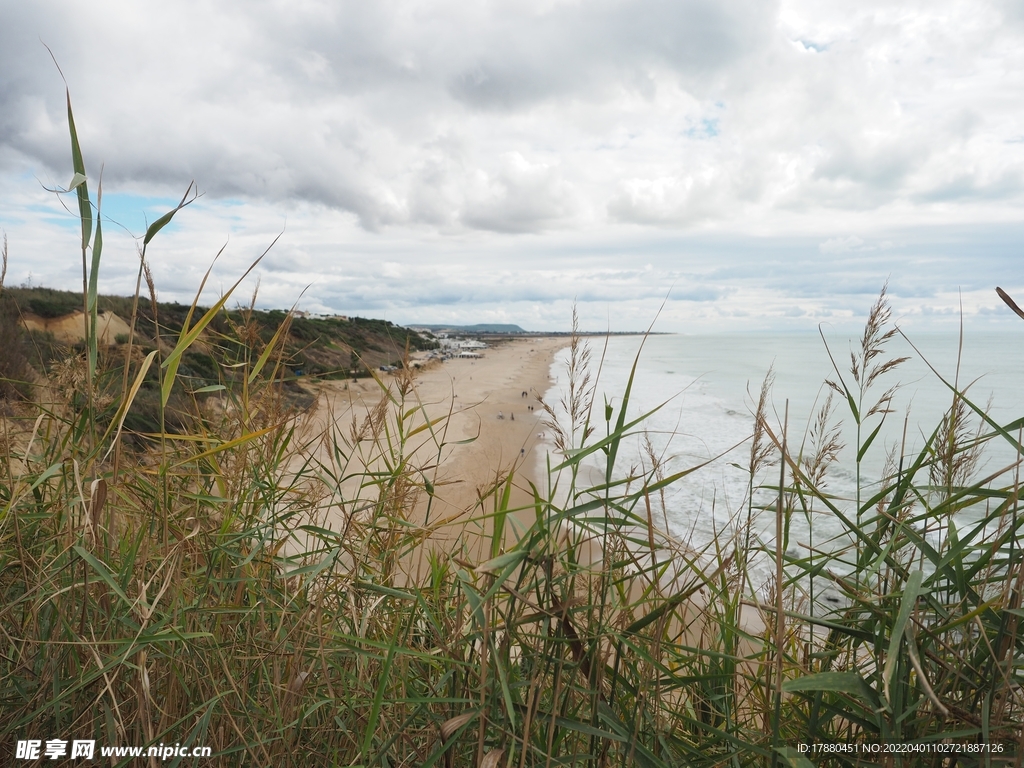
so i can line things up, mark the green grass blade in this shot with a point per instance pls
(621, 430)
(617, 434)
(910, 594)
(228, 445)
(378, 698)
(49, 472)
(103, 573)
(164, 220)
(850, 683)
(94, 272)
(189, 335)
(80, 184)
(130, 398)
(282, 331)
(871, 438)
(1002, 431)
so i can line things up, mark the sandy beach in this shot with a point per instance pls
(486, 422)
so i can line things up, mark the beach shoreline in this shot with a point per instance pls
(486, 423)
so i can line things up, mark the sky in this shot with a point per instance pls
(703, 165)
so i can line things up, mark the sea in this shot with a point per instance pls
(700, 393)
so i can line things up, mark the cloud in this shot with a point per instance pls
(338, 103)
(846, 244)
(759, 156)
(589, 51)
(361, 106)
(519, 197)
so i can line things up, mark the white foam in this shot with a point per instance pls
(701, 385)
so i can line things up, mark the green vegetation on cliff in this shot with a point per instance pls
(329, 347)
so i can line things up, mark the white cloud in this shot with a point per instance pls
(846, 244)
(435, 140)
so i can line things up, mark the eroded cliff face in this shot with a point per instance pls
(71, 328)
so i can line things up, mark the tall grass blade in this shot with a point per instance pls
(188, 335)
(840, 682)
(103, 573)
(164, 220)
(911, 591)
(133, 392)
(92, 302)
(79, 180)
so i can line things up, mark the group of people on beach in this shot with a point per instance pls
(512, 416)
(524, 393)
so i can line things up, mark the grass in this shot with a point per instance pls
(183, 587)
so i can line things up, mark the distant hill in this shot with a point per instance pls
(321, 346)
(477, 328)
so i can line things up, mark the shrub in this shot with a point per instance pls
(15, 371)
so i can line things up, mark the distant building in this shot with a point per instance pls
(457, 344)
(304, 315)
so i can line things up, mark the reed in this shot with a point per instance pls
(183, 588)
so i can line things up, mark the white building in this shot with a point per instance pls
(461, 344)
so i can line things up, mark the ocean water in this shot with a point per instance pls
(707, 389)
